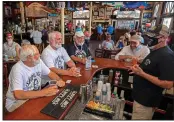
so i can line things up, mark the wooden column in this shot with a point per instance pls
(22, 13)
(62, 25)
(90, 17)
(141, 18)
(159, 19)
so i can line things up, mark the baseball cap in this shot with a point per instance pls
(8, 35)
(158, 30)
(135, 38)
(79, 34)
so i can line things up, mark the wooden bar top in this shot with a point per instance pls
(31, 109)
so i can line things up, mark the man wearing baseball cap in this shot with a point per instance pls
(133, 51)
(10, 47)
(153, 75)
(78, 50)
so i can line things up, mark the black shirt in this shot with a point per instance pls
(159, 63)
(78, 51)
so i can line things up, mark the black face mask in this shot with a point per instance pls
(153, 41)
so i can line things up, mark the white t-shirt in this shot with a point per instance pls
(141, 52)
(108, 44)
(10, 51)
(36, 35)
(55, 58)
(24, 78)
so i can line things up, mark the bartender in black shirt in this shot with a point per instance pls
(153, 75)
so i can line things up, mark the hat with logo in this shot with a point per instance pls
(135, 38)
(158, 30)
(79, 34)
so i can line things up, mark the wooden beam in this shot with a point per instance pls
(22, 13)
(90, 17)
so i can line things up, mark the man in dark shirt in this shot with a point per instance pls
(153, 75)
(79, 51)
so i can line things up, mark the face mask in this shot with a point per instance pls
(137, 48)
(57, 46)
(10, 41)
(36, 62)
(81, 44)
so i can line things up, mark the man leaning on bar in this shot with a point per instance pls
(25, 79)
(55, 56)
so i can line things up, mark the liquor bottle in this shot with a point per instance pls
(110, 75)
(101, 77)
(104, 93)
(121, 79)
(122, 105)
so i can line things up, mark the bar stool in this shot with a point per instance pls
(110, 53)
(113, 53)
(99, 53)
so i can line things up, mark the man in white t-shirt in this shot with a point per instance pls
(25, 79)
(36, 35)
(55, 56)
(10, 47)
(134, 50)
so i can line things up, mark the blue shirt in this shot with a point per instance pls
(142, 40)
(99, 29)
(120, 45)
(78, 29)
(110, 30)
(108, 44)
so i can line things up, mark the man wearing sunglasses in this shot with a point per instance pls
(153, 75)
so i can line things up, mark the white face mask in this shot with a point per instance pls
(57, 46)
(36, 62)
(81, 44)
(9, 41)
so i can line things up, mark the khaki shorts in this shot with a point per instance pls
(141, 112)
(16, 105)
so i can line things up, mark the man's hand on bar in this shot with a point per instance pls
(60, 83)
(50, 91)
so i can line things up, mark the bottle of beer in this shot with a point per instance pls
(110, 75)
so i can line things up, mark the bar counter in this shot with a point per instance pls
(31, 109)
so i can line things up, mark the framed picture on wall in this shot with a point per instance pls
(101, 12)
(108, 11)
(95, 13)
